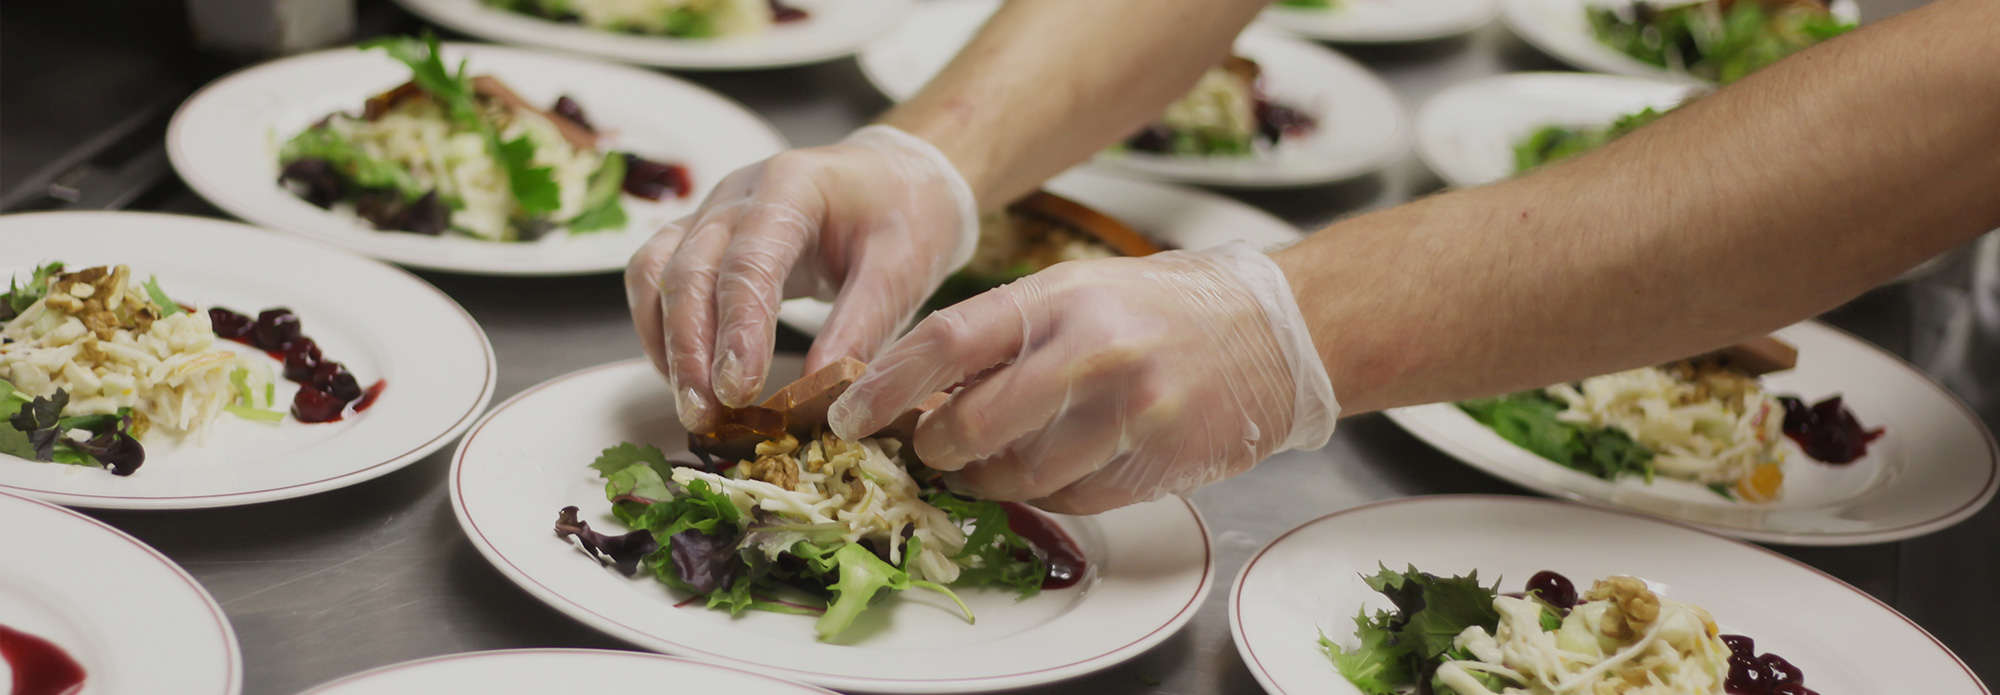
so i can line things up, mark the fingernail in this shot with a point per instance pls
(732, 384)
(693, 408)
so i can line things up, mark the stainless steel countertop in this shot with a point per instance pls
(378, 573)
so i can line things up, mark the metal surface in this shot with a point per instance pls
(377, 573)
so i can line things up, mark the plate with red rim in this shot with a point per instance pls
(1174, 216)
(1561, 29)
(832, 29)
(1148, 568)
(1935, 465)
(128, 617)
(224, 142)
(1308, 582)
(1360, 120)
(558, 671)
(384, 324)
(1380, 21)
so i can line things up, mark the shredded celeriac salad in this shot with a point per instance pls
(1624, 639)
(1710, 426)
(97, 335)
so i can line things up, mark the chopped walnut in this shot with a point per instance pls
(777, 469)
(1633, 606)
(783, 445)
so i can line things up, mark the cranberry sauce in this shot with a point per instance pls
(325, 386)
(1064, 558)
(652, 180)
(1768, 674)
(1554, 589)
(781, 12)
(40, 667)
(1827, 431)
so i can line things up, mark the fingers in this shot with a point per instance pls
(948, 348)
(642, 289)
(878, 300)
(764, 246)
(688, 311)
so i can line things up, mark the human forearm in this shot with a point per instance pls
(1046, 83)
(1767, 202)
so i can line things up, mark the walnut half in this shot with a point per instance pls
(1633, 606)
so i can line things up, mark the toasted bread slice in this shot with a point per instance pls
(1054, 209)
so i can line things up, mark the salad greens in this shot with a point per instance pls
(1308, 4)
(18, 298)
(534, 187)
(1556, 142)
(1528, 419)
(1406, 645)
(1718, 40)
(694, 538)
(34, 429)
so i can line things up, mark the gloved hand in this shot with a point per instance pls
(873, 223)
(1097, 384)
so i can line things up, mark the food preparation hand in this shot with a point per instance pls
(873, 223)
(1098, 384)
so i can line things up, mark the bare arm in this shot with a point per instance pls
(1770, 201)
(1047, 83)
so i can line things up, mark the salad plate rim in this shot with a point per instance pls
(376, 672)
(1264, 678)
(1101, 659)
(479, 21)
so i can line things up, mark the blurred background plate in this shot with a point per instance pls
(548, 671)
(1381, 21)
(1361, 121)
(1935, 465)
(834, 29)
(1559, 28)
(224, 142)
(1466, 134)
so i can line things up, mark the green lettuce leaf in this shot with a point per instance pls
(19, 298)
(168, 307)
(993, 552)
(1379, 666)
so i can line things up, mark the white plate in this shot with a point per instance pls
(1466, 134)
(835, 29)
(1309, 580)
(558, 671)
(1361, 126)
(1935, 465)
(1149, 565)
(224, 142)
(1183, 218)
(1559, 28)
(135, 621)
(381, 322)
(1381, 21)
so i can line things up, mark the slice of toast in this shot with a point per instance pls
(799, 409)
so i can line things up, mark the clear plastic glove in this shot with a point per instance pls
(873, 223)
(1098, 384)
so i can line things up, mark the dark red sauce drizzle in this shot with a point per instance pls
(1826, 430)
(40, 667)
(325, 386)
(1064, 558)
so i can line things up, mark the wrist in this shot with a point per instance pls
(945, 129)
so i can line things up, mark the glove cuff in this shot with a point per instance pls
(961, 192)
(1314, 410)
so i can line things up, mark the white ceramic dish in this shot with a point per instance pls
(224, 142)
(1935, 465)
(558, 671)
(1181, 217)
(1361, 121)
(1308, 581)
(834, 29)
(1381, 21)
(381, 322)
(1466, 134)
(1150, 564)
(1559, 28)
(135, 621)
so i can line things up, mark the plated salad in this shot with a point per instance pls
(1454, 636)
(448, 152)
(1706, 420)
(777, 514)
(1033, 233)
(1716, 40)
(1227, 114)
(93, 360)
(676, 18)
(1551, 143)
